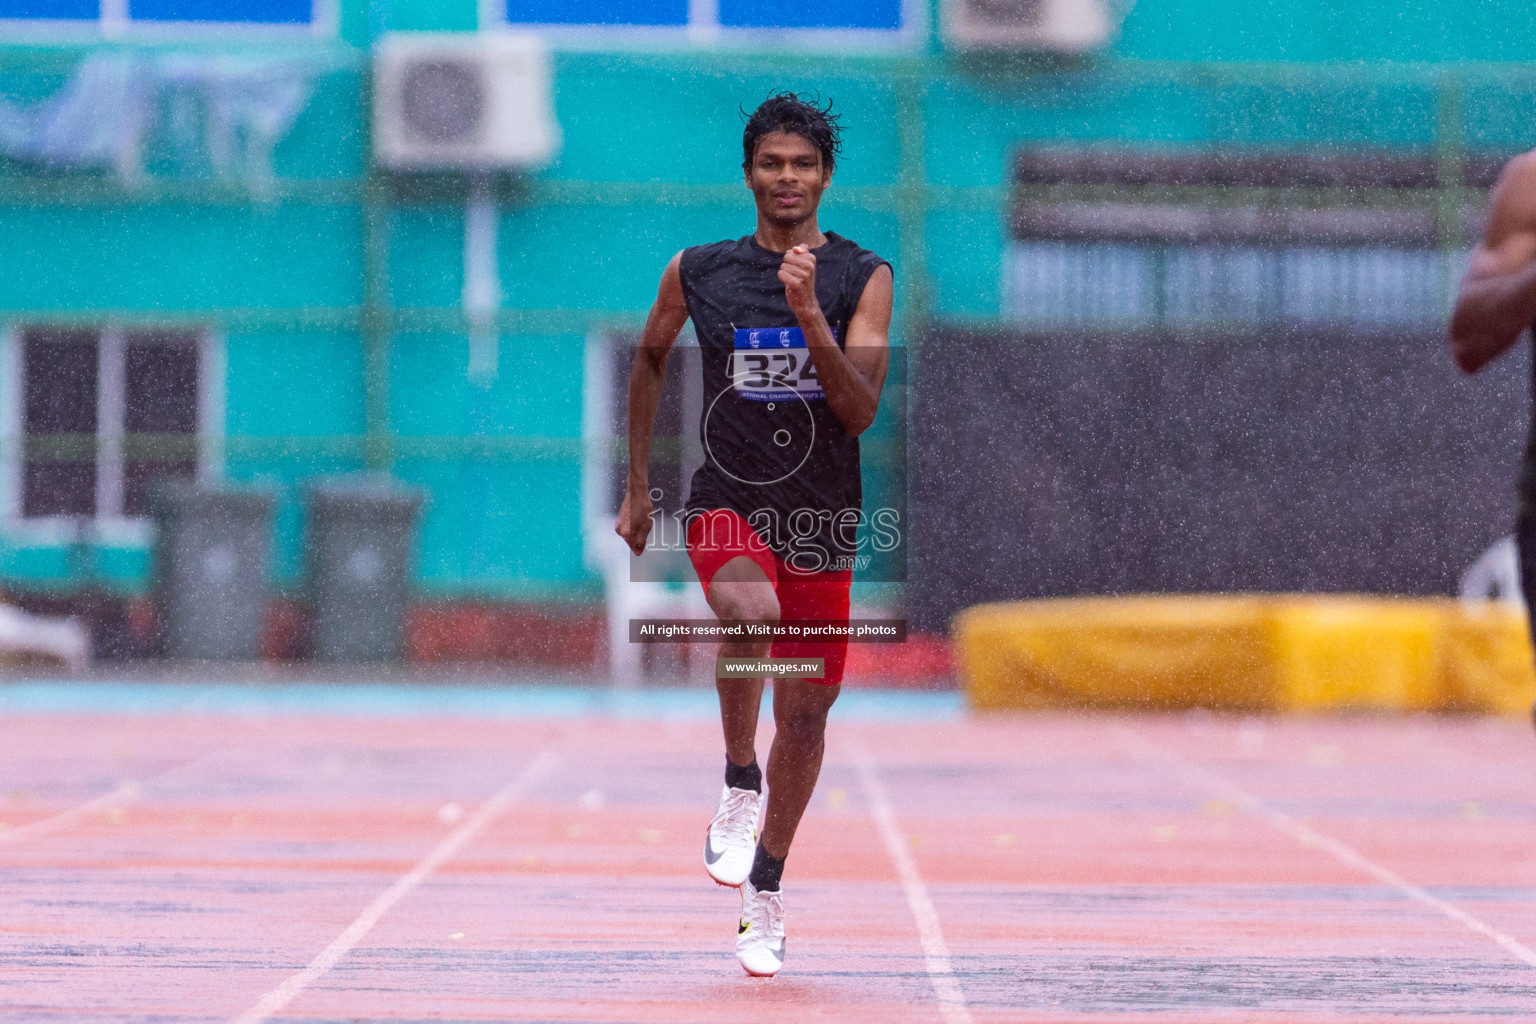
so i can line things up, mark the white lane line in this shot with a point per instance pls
(941, 972)
(340, 946)
(1309, 837)
(124, 792)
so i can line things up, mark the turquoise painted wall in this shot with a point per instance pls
(650, 163)
(1324, 31)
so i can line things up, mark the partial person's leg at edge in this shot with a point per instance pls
(1525, 549)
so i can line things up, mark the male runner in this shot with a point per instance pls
(793, 327)
(1497, 302)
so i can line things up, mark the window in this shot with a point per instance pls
(103, 415)
(1105, 238)
(675, 451)
(114, 14)
(61, 401)
(160, 407)
(1085, 282)
(881, 16)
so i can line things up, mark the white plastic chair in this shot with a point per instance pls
(1495, 574)
(626, 598)
(32, 636)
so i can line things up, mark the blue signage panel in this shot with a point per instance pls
(270, 12)
(876, 14)
(70, 10)
(597, 12)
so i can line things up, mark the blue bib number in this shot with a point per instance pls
(772, 364)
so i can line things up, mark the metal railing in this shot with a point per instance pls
(1047, 281)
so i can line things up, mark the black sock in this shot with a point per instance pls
(766, 871)
(748, 776)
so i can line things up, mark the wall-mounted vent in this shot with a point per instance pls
(1050, 26)
(470, 102)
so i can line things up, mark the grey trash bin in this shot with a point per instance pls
(360, 539)
(211, 554)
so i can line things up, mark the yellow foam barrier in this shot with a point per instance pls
(1487, 661)
(1247, 653)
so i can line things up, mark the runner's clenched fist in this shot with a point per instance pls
(798, 272)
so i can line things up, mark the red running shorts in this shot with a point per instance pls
(719, 535)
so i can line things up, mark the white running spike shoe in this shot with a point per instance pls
(760, 936)
(731, 841)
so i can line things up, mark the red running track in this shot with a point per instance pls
(1118, 869)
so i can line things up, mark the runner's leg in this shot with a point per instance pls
(800, 709)
(800, 706)
(740, 590)
(738, 577)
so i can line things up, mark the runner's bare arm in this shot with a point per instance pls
(853, 376)
(1497, 299)
(646, 373)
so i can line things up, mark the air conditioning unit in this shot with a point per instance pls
(451, 101)
(1050, 26)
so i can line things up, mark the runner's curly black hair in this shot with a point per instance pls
(799, 115)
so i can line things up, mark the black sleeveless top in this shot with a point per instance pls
(774, 452)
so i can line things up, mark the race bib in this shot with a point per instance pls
(772, 364)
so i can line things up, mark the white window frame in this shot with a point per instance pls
(704, 29)
(111, 526)
(115, 22)
(1316, 284)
